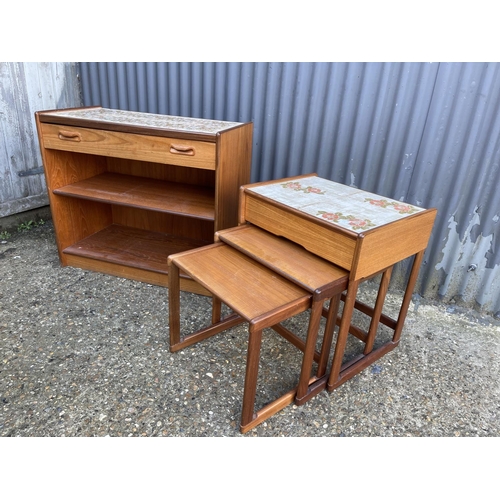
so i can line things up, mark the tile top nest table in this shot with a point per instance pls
(301, 242)
(362, 232)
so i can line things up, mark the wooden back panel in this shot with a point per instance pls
(161, 171)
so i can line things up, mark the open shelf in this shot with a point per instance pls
(141, 192)
(132, 247)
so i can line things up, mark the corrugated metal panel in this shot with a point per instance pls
(420, 132)
(24, 89)
(458, 171)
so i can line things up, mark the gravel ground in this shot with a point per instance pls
(86, 354)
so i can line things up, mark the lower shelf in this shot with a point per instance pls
(131, 253)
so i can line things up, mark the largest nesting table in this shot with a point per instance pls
(361, 232)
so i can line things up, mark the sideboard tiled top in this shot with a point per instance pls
(108, 117)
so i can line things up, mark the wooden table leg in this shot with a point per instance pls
(408, 294)
(331, 321)
(338, 356)
(252, 371)
(174, 304)
(342, 372)
(316, 384)
(377, 311)
(216, 309)
(310, 347)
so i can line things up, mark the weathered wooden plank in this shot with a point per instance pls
(24, 89)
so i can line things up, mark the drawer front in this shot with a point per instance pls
(183, 152)
(333, 246)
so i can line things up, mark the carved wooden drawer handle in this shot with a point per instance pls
(180, 149)
(64, 135)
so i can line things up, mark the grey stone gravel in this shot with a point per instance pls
(86, 354)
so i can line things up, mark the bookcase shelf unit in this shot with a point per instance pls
(128, 189)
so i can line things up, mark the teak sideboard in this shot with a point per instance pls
(127, 189)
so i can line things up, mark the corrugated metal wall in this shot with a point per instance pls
(457, 170)
(24, 89)
(425, 133)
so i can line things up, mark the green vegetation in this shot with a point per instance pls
(26, 226)
(21, 228)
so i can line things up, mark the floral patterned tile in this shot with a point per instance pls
(135, 118)
(339, 204)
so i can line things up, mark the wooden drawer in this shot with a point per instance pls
(183, 152)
